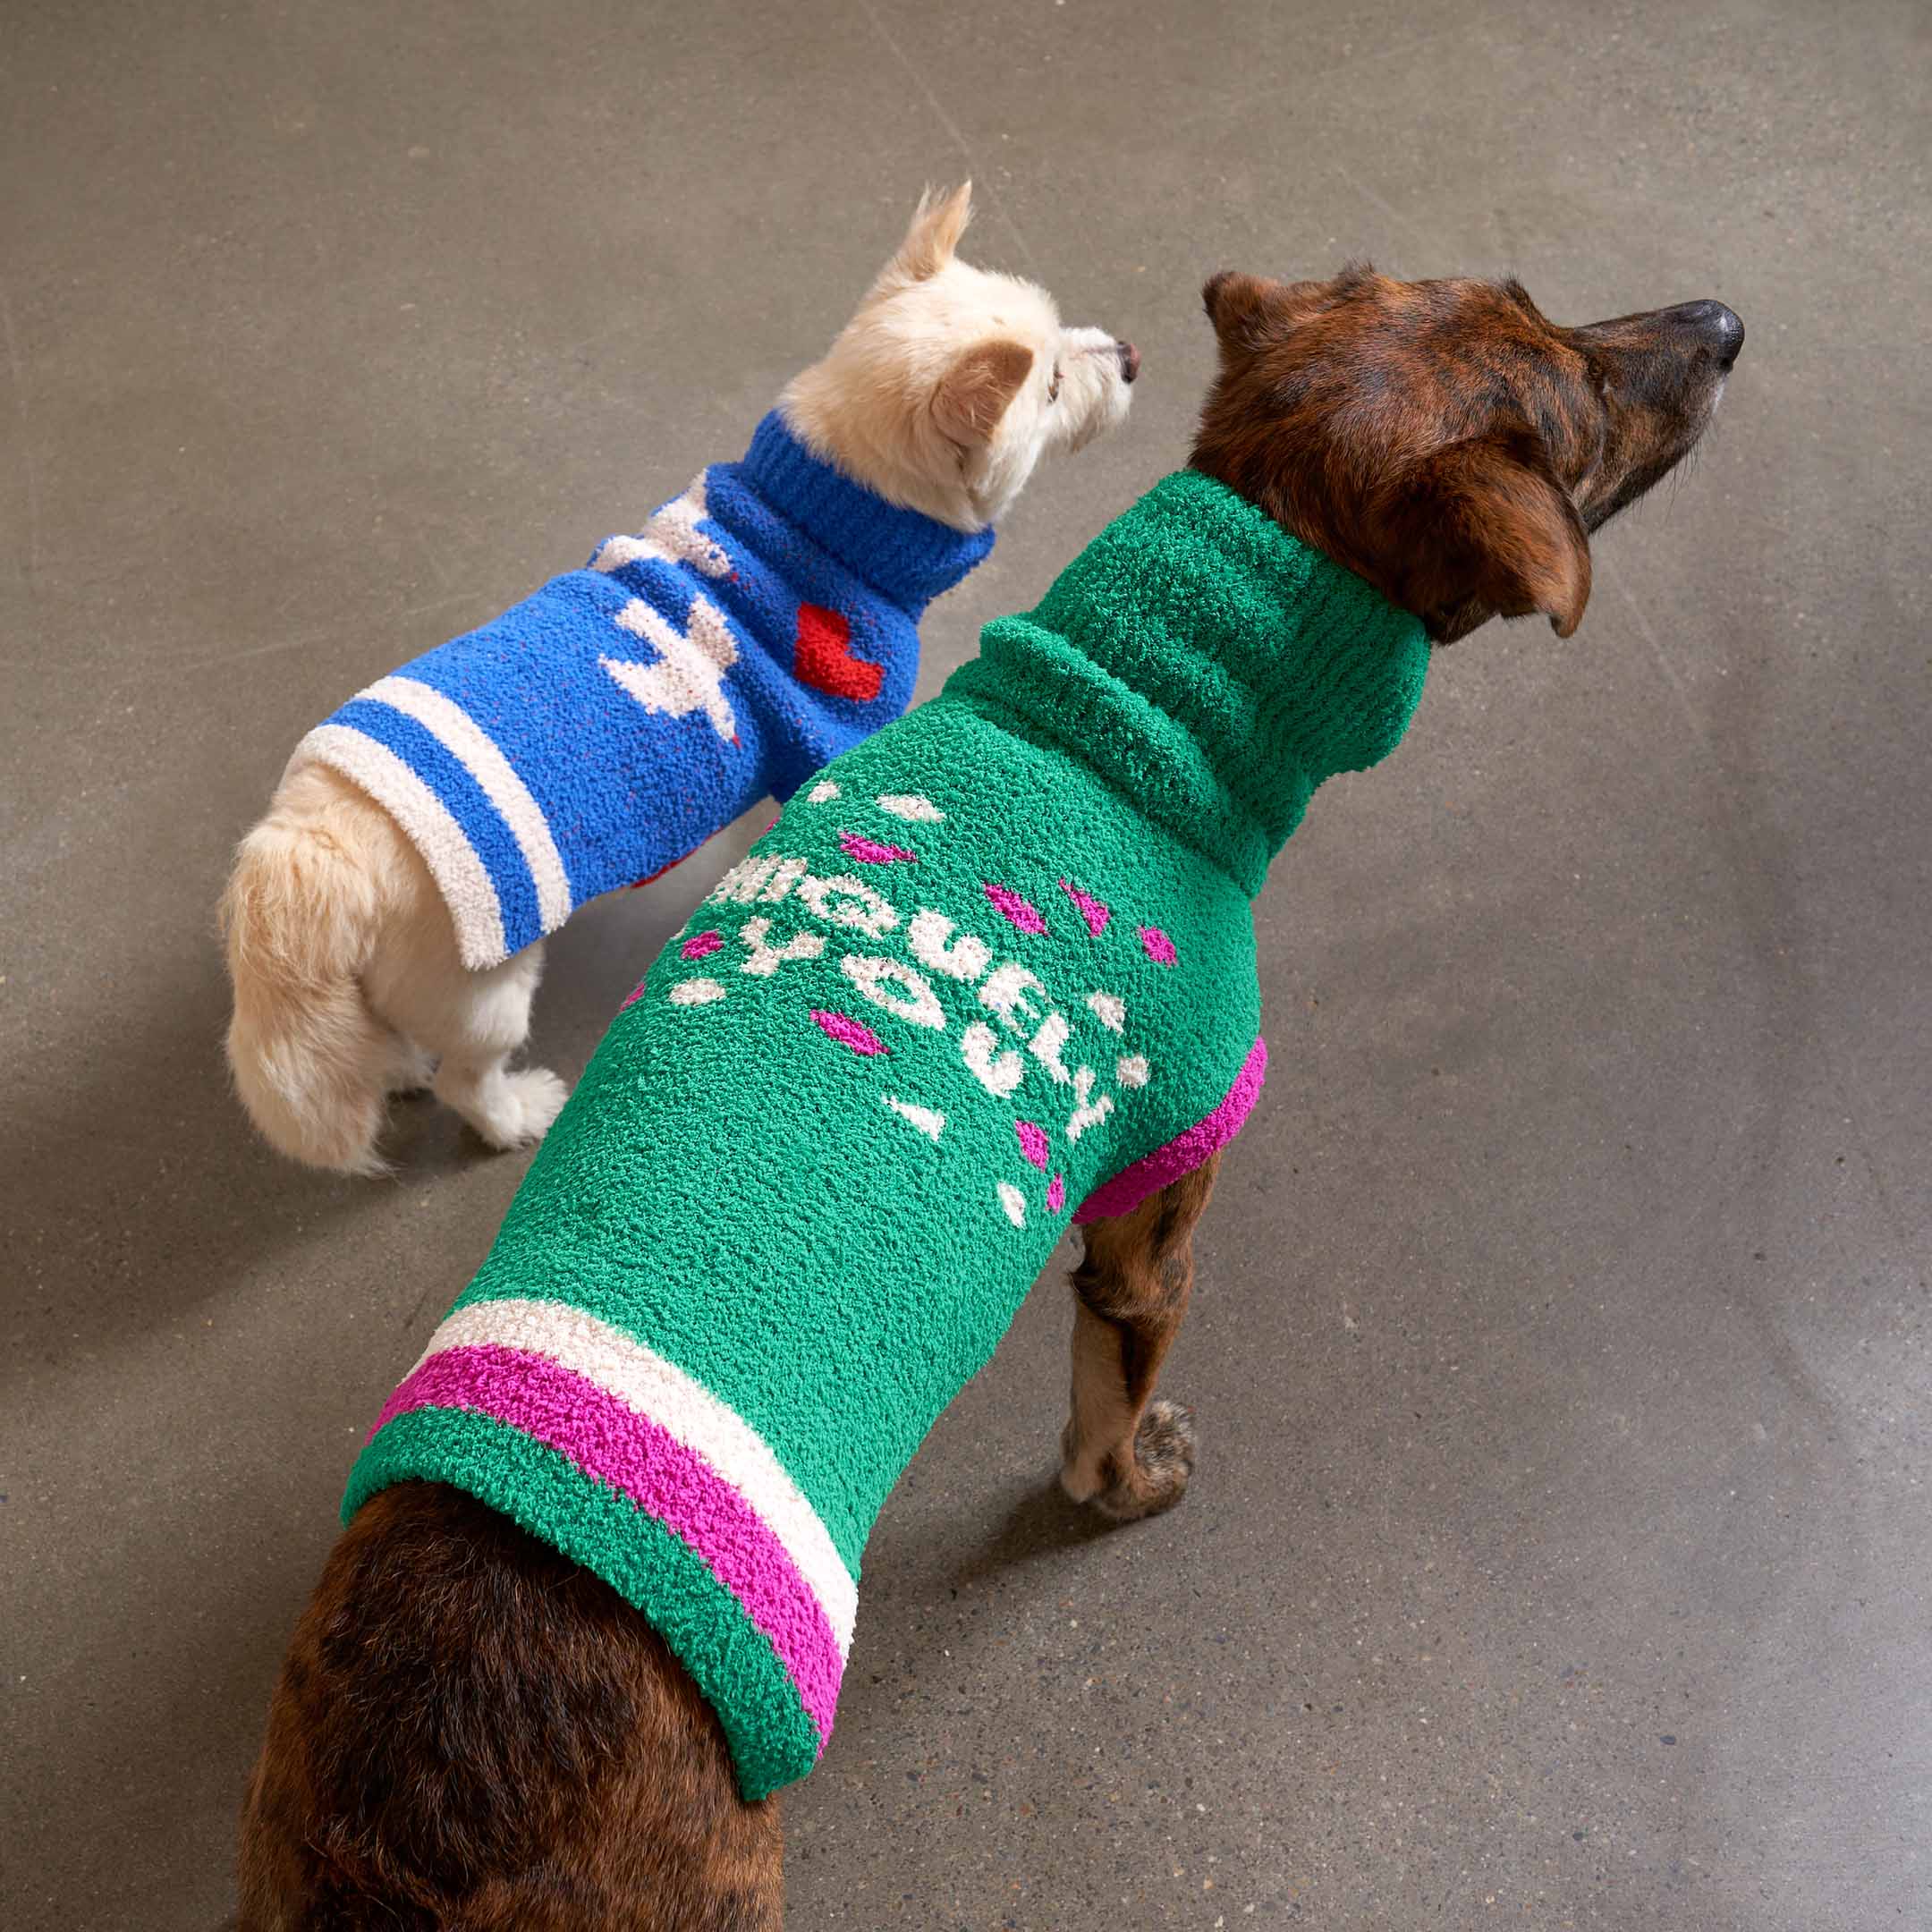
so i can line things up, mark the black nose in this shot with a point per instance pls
(1717, 328)
(1130, 359)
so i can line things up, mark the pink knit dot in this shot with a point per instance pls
(1157, 946)
(1014, 910)
(700, 944)
(1092, 910)
(849, 1032)
(869, 851)
(636, 993)
(1032, 1143)
(1056, 1194)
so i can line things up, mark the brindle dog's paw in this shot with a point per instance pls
(1162, 1462)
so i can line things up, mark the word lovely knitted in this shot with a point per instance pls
(992, 971)
(602, 729)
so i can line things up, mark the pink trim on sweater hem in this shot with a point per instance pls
(1184, 1153)
(629, 1453)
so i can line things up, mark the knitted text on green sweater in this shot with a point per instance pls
(994, 971)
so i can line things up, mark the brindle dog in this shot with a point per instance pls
(471, 1732)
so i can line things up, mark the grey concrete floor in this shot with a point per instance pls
(1559, 1551)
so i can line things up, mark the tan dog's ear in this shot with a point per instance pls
(1483, 529)
(974, 393)
(933, 239)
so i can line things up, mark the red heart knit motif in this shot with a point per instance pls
(823, 657)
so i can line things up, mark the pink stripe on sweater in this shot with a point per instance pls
(1184, 1153)
(629, 1453)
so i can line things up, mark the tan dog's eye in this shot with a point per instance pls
(1052, 388)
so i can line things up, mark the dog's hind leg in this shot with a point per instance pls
(468, 1022)
(485, 1021)
(1123, 1452)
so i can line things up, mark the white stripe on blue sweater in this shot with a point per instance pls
(454, 727)
(452, 859)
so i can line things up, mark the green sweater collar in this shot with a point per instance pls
(1210, 666)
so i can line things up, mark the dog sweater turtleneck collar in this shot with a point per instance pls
(597, 733)
(991, 972)
(1211, 667)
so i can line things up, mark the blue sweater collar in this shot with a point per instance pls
(904, 555)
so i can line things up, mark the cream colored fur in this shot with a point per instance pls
(878, 403)
(941, 394)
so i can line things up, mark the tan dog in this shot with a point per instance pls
(941, 395)
(473, 1732)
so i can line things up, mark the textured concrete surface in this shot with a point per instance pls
(1559, 1551)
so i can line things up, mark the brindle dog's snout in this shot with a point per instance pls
(1715, 329)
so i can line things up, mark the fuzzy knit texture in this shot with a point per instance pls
(992, 971)
(599, 731)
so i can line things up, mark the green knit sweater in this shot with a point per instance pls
(992, 973)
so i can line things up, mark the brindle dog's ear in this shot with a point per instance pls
(1244, 308)
(1491, 532)
(1251, 311)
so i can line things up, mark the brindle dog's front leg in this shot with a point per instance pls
(1125, 1453)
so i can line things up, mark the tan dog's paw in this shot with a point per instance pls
(1163, 1463)
(520, 1108)
(413, 1073)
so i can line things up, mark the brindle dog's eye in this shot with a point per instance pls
(1052, 388)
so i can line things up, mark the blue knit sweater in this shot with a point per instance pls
(760, 624)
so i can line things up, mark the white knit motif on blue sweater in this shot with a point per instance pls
(594, 733)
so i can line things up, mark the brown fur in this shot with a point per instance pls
(1127, 1455)
(472, 1732)
(469, 1733)
(1444, 439)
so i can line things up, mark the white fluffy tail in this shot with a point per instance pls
(300, 919)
